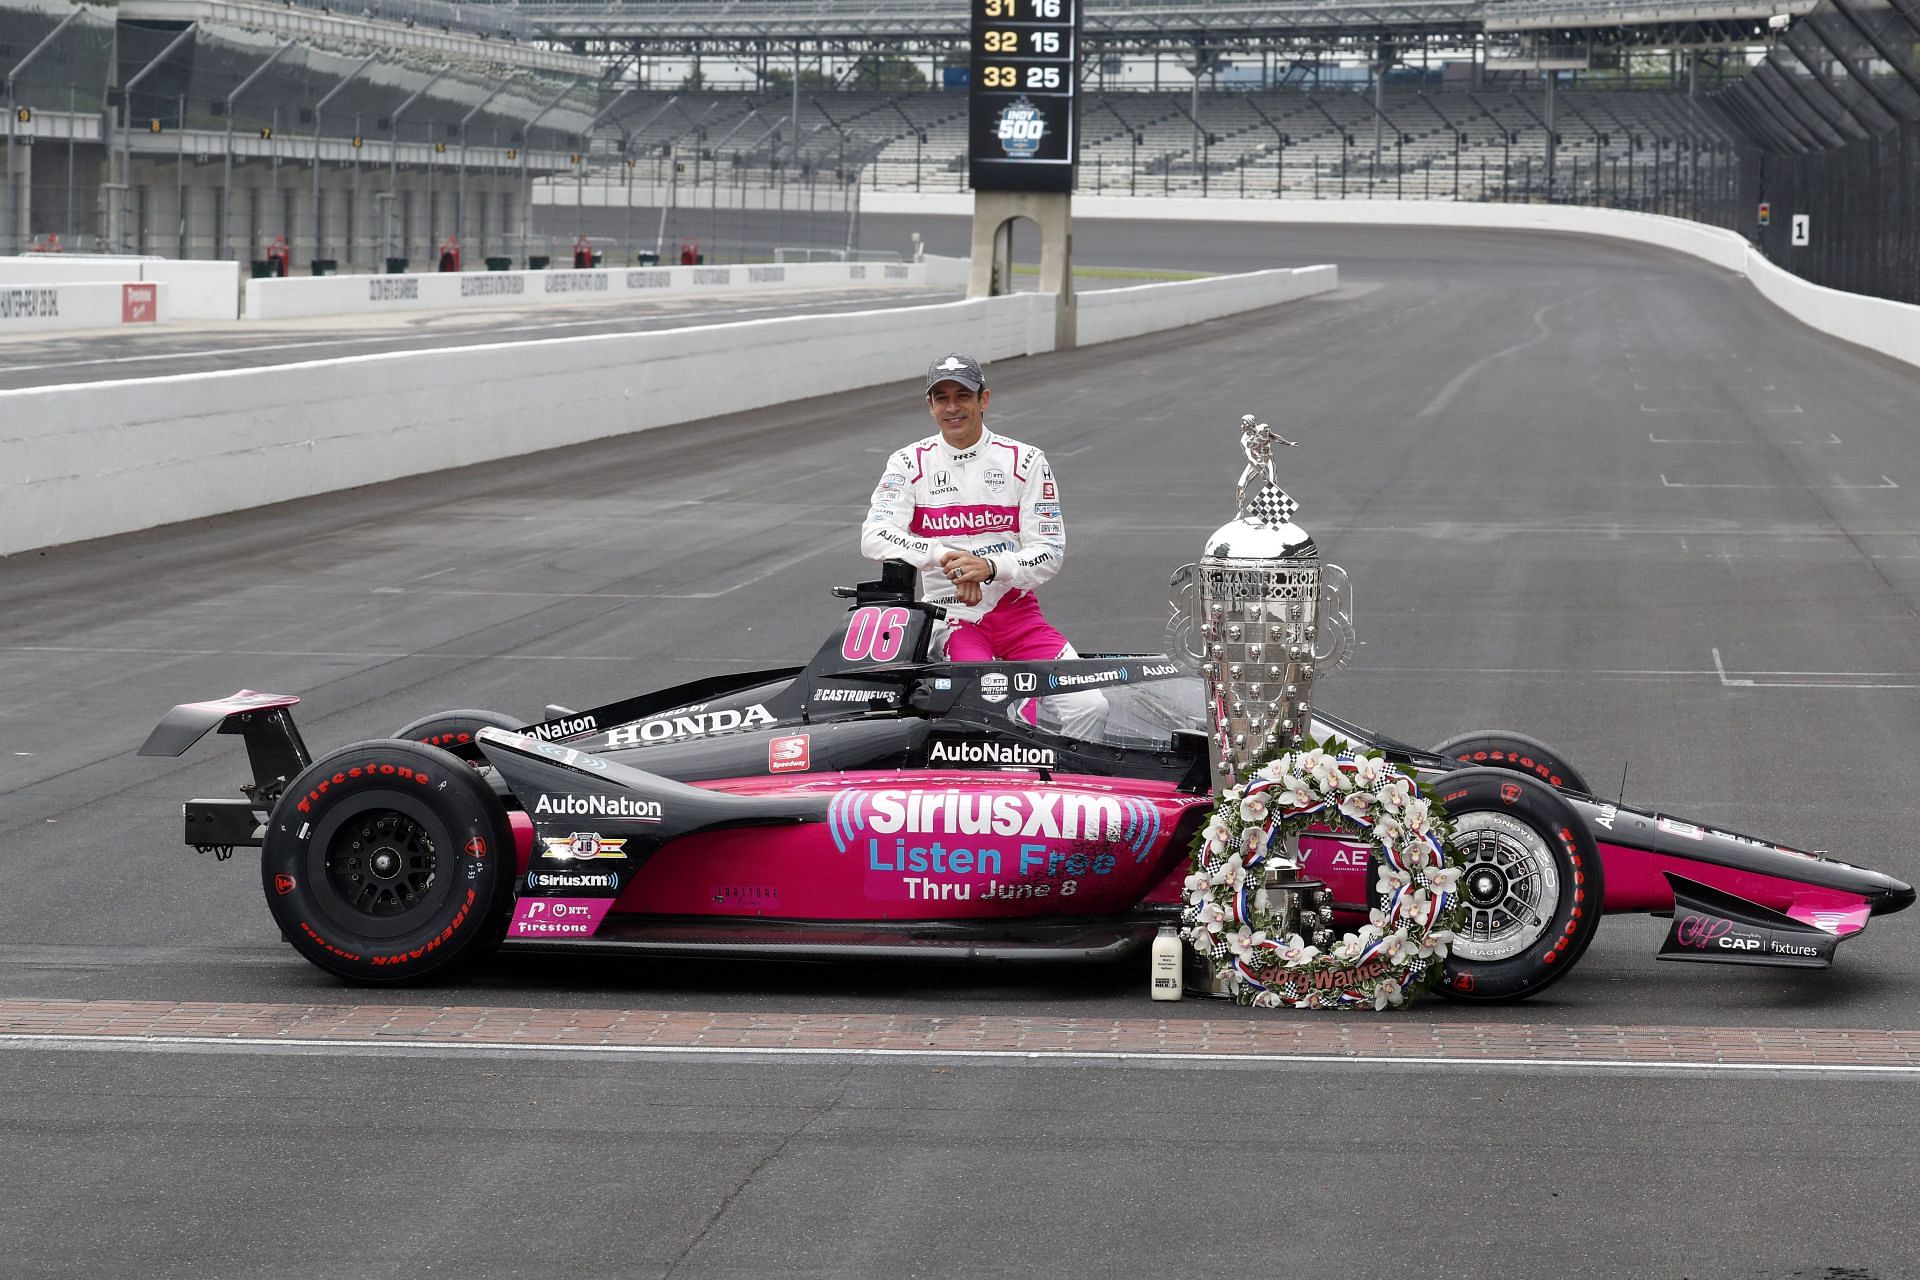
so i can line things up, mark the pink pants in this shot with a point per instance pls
(1012, 630)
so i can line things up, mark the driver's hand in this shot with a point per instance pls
(966, 572)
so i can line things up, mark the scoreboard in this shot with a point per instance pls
(1022, 104)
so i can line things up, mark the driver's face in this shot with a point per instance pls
(959, 412)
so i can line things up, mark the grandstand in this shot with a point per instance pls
(368, 131)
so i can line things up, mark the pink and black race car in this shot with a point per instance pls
(877, 804)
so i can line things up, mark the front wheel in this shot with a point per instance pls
(1531, 881)
(1505, 749)
(389, 861)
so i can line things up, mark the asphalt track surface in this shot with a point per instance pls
(1596, 493)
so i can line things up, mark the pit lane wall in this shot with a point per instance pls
(96, 459)
(100, 304)
(297, 296)
(1891, 328)
(192, 290)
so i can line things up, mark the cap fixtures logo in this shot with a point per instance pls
(1020, 128)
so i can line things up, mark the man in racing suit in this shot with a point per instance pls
(978, 514)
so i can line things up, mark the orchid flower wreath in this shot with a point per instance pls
(1259, 955)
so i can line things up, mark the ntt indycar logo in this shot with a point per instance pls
(1029, 815)
(598, 807)
(997, 754)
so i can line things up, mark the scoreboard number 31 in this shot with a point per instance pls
(1011, 8)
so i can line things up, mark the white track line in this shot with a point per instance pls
(174, 1044)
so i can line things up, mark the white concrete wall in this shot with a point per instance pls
(37, 308)
(432, 291)
(1107, 315)
(1891, 328)
(90, 460)
(94, 459)
(195, 290)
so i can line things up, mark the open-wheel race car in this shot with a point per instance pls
(879, 803)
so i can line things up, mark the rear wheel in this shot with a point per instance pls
(454, 731)
(1503, 749)
(389, 861)
(1531, 881)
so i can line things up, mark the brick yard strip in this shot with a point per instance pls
(1350, 1038)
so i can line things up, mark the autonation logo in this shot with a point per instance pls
(599, 807)
(1016, 755)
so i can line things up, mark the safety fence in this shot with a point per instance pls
(1831, 120)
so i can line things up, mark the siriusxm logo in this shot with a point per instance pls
(1020, 128)
(573, 880)
(1028, 815)
(1108, 676)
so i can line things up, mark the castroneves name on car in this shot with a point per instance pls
(887, 696)
(598, 807)
(693, 724)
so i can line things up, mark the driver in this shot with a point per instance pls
(978, 514)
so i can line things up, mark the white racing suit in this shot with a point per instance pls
(997, 500)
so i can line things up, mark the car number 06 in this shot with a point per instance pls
(875, 633)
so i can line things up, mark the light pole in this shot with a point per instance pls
(393, 154)
(126, 130)
(13, 112)
(319, 108)
(460, 191)
(526, 145)
(226, 175)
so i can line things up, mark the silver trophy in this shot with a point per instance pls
(1260, 615)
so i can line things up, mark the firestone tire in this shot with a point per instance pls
(1504, 749)
(454, 730)
(1532, 884)
(388, 862)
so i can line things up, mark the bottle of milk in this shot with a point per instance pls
(1165, 984)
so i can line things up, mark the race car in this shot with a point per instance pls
(880, 803)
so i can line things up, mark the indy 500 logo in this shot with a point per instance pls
(1020, 128)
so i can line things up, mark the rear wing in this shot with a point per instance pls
(263, 720)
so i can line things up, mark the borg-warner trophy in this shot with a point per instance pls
(1260, 615)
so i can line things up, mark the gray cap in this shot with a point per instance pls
(964, 370)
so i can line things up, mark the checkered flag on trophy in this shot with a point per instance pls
(1269, 503)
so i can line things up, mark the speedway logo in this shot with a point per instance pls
(1016, 755)
(598, 807)
(585, 846)
(695, 723)
(573, 880)
(976, 519)
(1028, 815)
(791, 754)
(1109, 676)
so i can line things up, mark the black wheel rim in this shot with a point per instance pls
(381, 864)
